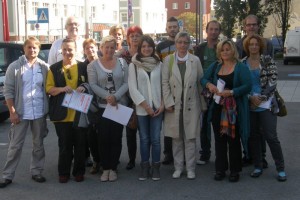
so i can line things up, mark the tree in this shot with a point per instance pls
(227, 12)
(281, 10)
(189, 21)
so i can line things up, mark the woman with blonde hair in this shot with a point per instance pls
(229, 116)
(108, 80)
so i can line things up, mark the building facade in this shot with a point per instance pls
(95, 17)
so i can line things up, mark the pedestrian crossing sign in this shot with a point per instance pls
(42, 15)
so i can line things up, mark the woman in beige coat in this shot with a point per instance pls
(181, 87)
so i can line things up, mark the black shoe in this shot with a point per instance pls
(89, 162)
(5, 183)
(247, 162)
(167, 160)
(130, 165)
(219, 176)
(256, 173)
(265, 164)
(38, 178)
(234, 177)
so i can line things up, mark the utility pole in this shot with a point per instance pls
(25, 12)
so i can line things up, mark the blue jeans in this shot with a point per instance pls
(149, 130)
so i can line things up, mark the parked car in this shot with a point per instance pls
(9, 52)
(291, 47)
(277, 44)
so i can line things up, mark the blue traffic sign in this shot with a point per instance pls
(42, 15)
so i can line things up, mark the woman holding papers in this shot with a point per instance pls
(108, 79)
(181, 88)
(263, 105)
(64, 77)
(231, 81)
(144, 82)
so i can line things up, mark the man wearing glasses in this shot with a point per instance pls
(71, 26)
(251, 26)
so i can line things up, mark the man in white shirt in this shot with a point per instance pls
(71, 26)
(27, 101)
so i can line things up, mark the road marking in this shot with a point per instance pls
(3, 144)
(294, 75)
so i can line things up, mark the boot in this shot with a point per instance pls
(155, 171)
(145, 168)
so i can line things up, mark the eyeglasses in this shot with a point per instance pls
(68, 74)
(73, 24)
(248, 25)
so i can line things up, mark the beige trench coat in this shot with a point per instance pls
(193, 102)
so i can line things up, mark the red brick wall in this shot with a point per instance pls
(176, 12)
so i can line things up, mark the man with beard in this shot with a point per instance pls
(206, 52)
(163, 49)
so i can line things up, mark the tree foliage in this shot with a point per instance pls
(189, 21)
(281, 11)
(231, 11)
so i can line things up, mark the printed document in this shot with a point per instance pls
(78, 101)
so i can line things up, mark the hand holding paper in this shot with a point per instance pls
(220, 86)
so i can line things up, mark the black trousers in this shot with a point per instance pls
(93, 142)
(224, 144)
(131, 143)
(110, 142)
(205, 137)
(168, 146)
(71, 143)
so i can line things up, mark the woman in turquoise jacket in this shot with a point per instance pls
(234, 98)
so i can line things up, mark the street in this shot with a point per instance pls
(128, 187)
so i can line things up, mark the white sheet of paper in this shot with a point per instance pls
(78, 101)
(120, 115)
(220, 86)
(264, 104)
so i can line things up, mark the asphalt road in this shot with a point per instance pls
(128, 187)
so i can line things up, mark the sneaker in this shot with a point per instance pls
(112, 175)
(191, 175)
(176, 174)
(105, 176)
(201, 162)
(256, 173)
(281, 176)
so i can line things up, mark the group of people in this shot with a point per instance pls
(165, 84)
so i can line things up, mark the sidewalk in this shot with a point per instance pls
(289, 90)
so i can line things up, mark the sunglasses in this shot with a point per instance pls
(68, 74)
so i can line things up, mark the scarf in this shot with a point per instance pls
(185, 58)
(148, 63)
(228, 117)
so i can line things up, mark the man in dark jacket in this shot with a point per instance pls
(206, 52)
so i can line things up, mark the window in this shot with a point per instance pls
(115, 15)
(187, 5)
(93, 12)
(65, 10)
(124, 17)
(81, 11)
(55, 10)
(45, 5)
(174, 6)
(22, 7)
(35, 6)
